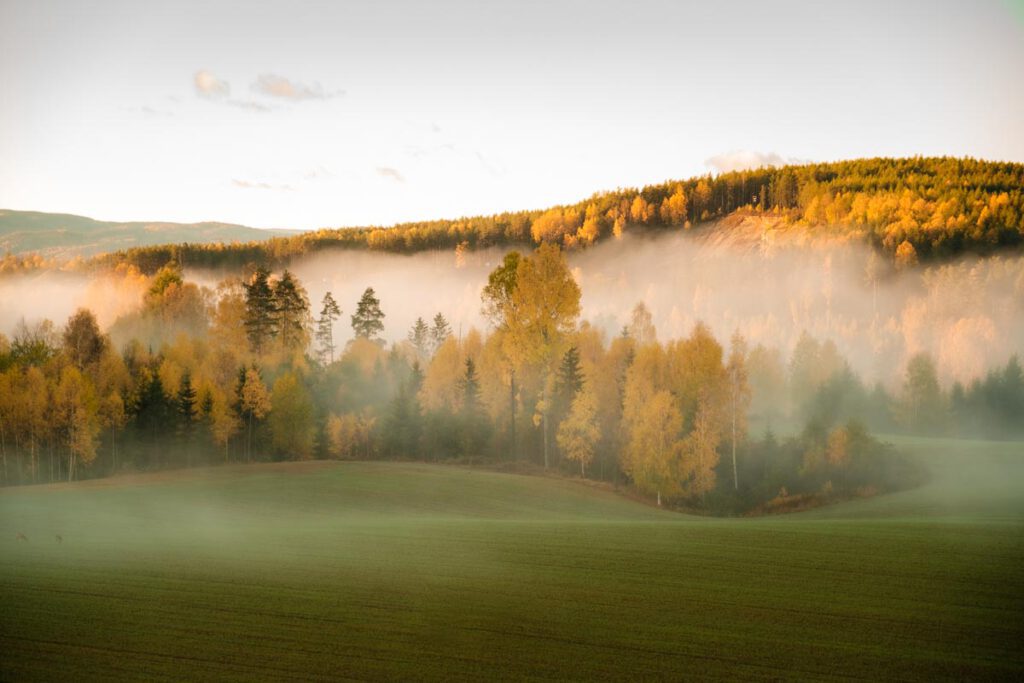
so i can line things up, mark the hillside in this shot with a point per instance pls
(392, 571)
(63, 236)
(909, 209)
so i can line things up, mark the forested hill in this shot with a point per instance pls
(64, 236)
(911, 209)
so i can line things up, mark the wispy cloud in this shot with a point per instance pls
(741, 160)
(390, 174)
(273, 85)
(209, 86)
(249, 185)
(213, 89)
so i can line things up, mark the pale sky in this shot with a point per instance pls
(312, 114)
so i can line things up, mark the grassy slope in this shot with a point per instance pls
(394, 571)
(66, 235)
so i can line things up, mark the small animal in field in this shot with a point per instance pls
(60, 539)
(21, 537)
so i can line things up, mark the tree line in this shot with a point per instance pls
(251, 371)
(910, 209)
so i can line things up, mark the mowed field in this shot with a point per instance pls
(403, 571)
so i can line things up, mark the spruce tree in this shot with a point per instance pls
(474, 427)
(470, 386)
(569, 379)
(325, 327)
(439, 332)
(367, 321)
(187, 405)
(260, 314)
(291, 308)
(419, 336)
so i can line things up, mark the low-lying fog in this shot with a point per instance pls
(968, 314)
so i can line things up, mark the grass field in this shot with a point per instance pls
(403, 571)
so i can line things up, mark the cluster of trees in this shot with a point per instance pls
(822, 388)
(911, 209)
(247, 372)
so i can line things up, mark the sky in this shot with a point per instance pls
(324, 114)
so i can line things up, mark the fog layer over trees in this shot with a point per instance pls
(253, 370)
(758, 276)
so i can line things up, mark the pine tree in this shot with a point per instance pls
(206, 404)
(260, 314)
(419, 336)
(470, 388)
(367, 321)
(568, 382)
(325, 327)
(187, 406)
(291, 312)
(439, 332)
(152, 414)
(474, 427)
(404, 421)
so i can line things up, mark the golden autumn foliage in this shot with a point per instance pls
(578, 434)
(941, 206)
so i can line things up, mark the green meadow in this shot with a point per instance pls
(395, 571)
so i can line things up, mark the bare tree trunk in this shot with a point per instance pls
(735, 476)
(3, 449)
(544, 423)
(512, 405)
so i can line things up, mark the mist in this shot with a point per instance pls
(969, 314)
(771, 286)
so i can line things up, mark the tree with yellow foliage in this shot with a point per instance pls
(590, 231)
(292, 431)
(224, 423)
(255, 405)
(700, 450)
(674, 209)
(651, 457)
(543, 309)
(75, 411)
(440, 390)
(906, 255)
(578, 434)
(348, 435)
(640, 211)
(641, 326)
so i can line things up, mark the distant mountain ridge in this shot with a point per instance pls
(63, 236)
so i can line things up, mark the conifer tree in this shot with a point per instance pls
(470, 387)
(188, 411)
(439, 332)
(368, 320)
(325, 327)
(419, 337)
(260, 314)
(291, 312)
